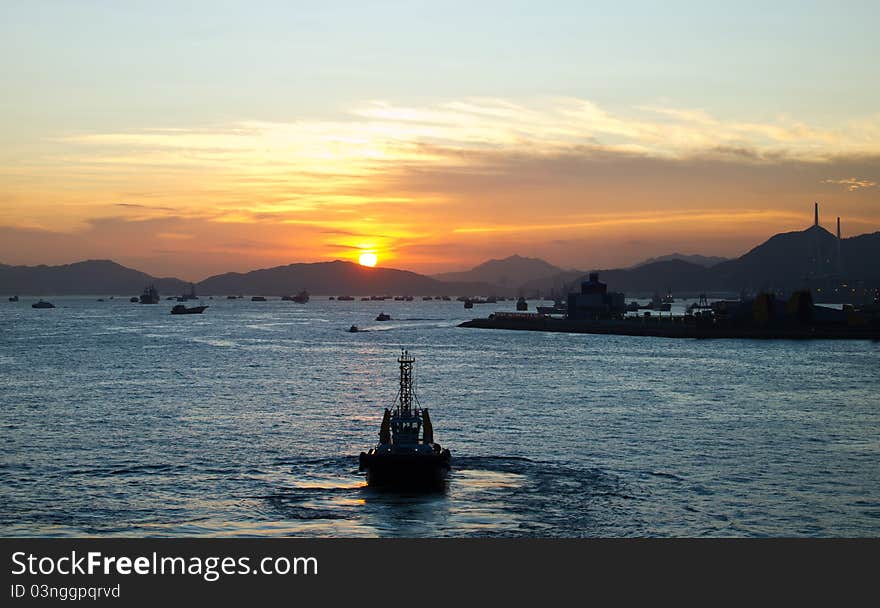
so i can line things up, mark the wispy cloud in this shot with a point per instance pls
(851, 183)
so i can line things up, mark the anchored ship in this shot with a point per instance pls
(406, 454)
(150, 295)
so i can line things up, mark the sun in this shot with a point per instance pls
(368, 259)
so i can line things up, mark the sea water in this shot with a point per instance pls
(122, 419)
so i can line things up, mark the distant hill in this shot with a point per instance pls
(790, 260)
(509, 273)
(700, 260)
(334, 278)
(95, 277)
(91, 277)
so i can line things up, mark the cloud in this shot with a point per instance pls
(852, 184)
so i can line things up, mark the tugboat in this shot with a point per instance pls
(180, 309)
(401, 457)
(150, 295)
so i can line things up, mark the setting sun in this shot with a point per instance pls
(368, 259)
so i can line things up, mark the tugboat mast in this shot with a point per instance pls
(406, 383)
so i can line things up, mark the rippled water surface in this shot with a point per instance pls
(121, 419)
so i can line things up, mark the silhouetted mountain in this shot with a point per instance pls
(334, 278)
(91, 277)
(701, 260)
(511, 272)
(791, 260)
(861, 257)
(675, 275)
(786, 260)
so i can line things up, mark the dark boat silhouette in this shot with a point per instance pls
(13, 298)
(150, 295)
(42, 304)
(406, 455)
(188, 296)
(383, 317)
(180, 309)
(258, 299)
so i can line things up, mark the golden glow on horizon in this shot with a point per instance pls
(435, 188)
(368, 259)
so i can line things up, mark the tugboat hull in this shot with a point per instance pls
(405, 470)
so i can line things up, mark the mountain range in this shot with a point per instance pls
(95, 277)
(785, 261)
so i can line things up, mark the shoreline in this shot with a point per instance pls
(674, 329)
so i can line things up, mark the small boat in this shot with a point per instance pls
(345, 298)
(559, 308)
(353, 329)
(150, 295)
(258, 299)
(13, 298)
(406, 455)
(427, 298)
(42, 304)
(181, 309)
(133, 299)
(468, 303)
(188, 296)
(302, 297)
(383, 317)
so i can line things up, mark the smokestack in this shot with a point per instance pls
(839, 254)
(816, 214)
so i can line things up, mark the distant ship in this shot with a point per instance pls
(150, 295)
(13, 298)
(383, 317)
(559, 308)
(258, 299)
(302, 297)
(42, 304)
(180, 309)
(521, 304)
(406, 454)
(345, 298)
(188, 296)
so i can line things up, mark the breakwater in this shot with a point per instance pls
(675, 327)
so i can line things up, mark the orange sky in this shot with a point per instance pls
(433, 188)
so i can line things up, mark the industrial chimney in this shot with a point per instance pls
(839, 254)
(816, 214)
